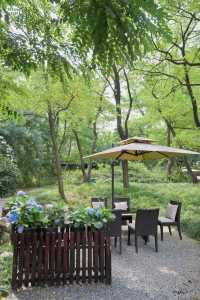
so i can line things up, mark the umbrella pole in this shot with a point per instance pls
(113, 180)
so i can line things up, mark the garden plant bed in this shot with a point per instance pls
(56, 257)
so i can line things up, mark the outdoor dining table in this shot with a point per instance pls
(127, 217)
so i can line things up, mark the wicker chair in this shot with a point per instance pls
(98, 202)
(115, 228)
(126, 214)
(145, 225)
(163, 221)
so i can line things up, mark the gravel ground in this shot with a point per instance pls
(172, 273)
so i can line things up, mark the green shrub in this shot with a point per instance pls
(9, 174)
(5, 269)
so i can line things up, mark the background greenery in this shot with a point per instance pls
(142, 194)
(59, 104)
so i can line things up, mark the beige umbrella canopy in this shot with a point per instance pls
(140, 149)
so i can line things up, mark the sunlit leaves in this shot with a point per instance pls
(113, 31)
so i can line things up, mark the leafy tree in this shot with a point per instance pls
(177, 62)
(57, 35)
(30, 141)
(112, 31)
(8, 169)
(84, 119)
(49, 98)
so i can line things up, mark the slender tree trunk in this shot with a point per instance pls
(171, 161)
(117, 94)
(85, 178)
(94, 145)
(189, 169)
(192, 97)
(125, 173)
(123, 135)
(56, 152)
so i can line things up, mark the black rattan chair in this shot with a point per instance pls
(163, 221)
(145, 225)
(115, 228)
(99, 201)
(126, 214)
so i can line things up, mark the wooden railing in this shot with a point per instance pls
(52, 257)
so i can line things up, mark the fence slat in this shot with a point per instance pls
(65, 255)
(58, 258)
(15, 241)
(27, 256)
(89, 256)
(21, 259)
(52, 257)
(101, 255)
(96, 250)
(107, 260)
(40, 268)
(46, 258)
(77, 256)
(34, 262)
(72, 257)
(84, 257)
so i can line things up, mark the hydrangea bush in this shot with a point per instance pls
(95, 218)
(25, 212)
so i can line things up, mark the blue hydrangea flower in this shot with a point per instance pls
(40, 207)
(21, 193)
(98, 213)
(90, 211)
(20, 228)
(16, 205)
(13, 217)
(32, 202)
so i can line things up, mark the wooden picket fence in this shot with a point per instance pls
(44, 257)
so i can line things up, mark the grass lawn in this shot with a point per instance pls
(141, 194)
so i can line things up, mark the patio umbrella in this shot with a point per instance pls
(138, 148)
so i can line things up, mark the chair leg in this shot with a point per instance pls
(115, 241)
(129, 237)
(146, 239)
(179, 231)
(161, 232)
(120, 244)
(136, 243)
(170, 231)
(156, 242)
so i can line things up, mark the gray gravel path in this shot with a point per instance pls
(172, 273)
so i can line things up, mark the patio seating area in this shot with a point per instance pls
(172, 273)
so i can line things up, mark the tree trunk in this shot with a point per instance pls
(189, 169)
(94, 145)
(192, 97)
(172, 160)
(117, 94)
(170, 133)
(170, 165)
(56, 152)
(123, 135)
(85, 178)
(125, 173)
